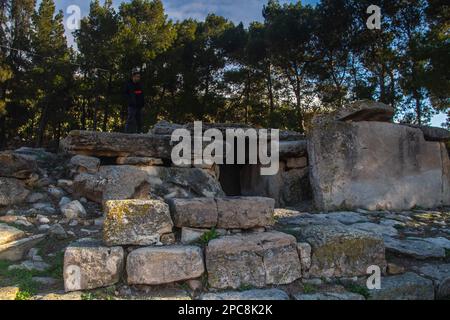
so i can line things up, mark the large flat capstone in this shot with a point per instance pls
(136, 222)
(161, 265)
(376, 166)
(257, 260)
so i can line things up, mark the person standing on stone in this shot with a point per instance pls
(135, 98)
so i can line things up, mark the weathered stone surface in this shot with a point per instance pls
(190, 235)
(408, 286)
(12, 191)
(434, 133)
(87, 265)
(329, 296)
(195, 213)
(362, 164)
(136, 222)
(244, 212)
(347, 218)
(341, 251)
(102, 144)
(17, 250)
(153, 266)
(256, 295)
(259, 259)
(73, 210)
(9, 293)
(414, 248)
(139, 161)
(85, 164)
(304, 252)
(440, 274)
(293, 149)
(365, 110)
(131, 182)
(288, 187)
(377, 228)
(9, 234)
(13, 165)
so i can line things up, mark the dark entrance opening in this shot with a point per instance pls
(230, 179)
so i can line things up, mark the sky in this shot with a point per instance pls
(244, 11)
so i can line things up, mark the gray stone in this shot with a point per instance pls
(439, 241)
(154, 266)
(245, 212)
(84, 164)
(13, 165)
(434, 133)
(361, 164)
(256, 259)
(31, 266)
(341, 251)
(297, 163)
(55, 192)
(414, 248)
(46, 281)
(365, 110)
(408, 286)
(87, 265)
(304, 251)
(195, 213)
(347, 217)
(190, 235)
(64, 201)
(136, 222)
(58, 232)
(440, 274)
(17, 250)
(377, 228)
(329, 296)
(12, 191)
(255, 295)
(73, 210)
(131, 182)
(35, 197)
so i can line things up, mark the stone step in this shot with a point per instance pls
(136, 222)
(339, 250)
(89, 265)
(223, 213)
(161, 265)
(256, 260)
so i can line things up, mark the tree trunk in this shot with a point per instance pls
(270, 91)
(107, 104)
(42, 126)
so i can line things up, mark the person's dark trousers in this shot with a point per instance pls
(134, 120)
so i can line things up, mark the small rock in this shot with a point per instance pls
(58, 232)
(44, 228)
(84, 164)
(30, 266)
(45, 281)
(99, 222)
(23, 223)
(195, 285)
(73, 223)
(55, 192)
(43, 220)
(191, 235)
(64, 201)
(73, 210)
(35, 197)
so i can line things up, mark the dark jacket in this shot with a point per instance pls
(134, 95)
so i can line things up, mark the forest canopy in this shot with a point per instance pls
(299, 61)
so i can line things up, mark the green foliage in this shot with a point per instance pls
(300, 61)
(21, 278)
(209, 236)
(308, 289)
(358, 289)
